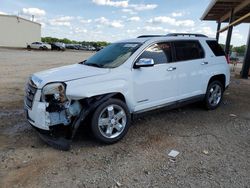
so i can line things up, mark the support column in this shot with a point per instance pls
(217, 33)
(229, 34)
(246, 63)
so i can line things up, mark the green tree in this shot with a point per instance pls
(68, 41)
(240, 49)
(223, 47)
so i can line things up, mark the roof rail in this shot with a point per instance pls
(145, 36)
(174, 35)
(185, 34)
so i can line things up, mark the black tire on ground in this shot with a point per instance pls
(95, 118)
(41, 48)
(207, 102)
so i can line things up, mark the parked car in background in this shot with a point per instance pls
(73, 46)
(83, 48)
(98, 48)
(39, 45)
(91, 48)
(69, 46)
(57, 46)
(78, 46)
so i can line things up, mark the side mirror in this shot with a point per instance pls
(144, 62)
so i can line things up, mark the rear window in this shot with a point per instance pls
(215, 47)
(188, 50)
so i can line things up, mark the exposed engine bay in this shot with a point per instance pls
(59, 109)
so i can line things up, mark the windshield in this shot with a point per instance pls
(113, 55)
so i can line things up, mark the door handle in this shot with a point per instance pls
(171, 69)
(204, 63)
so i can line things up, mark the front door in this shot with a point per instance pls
(156, 85)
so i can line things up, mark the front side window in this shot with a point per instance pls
(160, 53)
(113, 55)
(188, 50)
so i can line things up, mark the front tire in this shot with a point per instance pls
(214, 95)
(110, 121)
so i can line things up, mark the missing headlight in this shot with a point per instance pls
(54, 92)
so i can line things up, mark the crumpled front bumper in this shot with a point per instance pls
(56, 142)
(37, 116)
(39, 120)
(47, 135)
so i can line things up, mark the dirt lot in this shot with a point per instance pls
(214, 145)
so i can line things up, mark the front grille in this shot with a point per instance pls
(30, 94)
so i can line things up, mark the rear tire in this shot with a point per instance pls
(214, 95)
(110, 121)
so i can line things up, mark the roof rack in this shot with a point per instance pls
(145, 36)
(174, 35)
(185, 34)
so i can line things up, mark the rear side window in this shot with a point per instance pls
(160, 53)
(188, 50)
(215, 47)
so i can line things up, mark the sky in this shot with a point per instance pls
(112, 20)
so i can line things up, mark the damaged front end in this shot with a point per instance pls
(59, 109)
(52, 114)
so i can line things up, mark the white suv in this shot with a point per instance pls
(123, 79)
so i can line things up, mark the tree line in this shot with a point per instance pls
(239, 49)
(68, 41)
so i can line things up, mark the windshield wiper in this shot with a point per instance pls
(94, 65)
(82, 62)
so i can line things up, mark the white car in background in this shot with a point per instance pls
(126, 78)
(39, 45)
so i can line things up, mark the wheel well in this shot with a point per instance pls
(107, 95)
(119, 96)
(220, 77)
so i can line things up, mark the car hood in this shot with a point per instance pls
(66, 73)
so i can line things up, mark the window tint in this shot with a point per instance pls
(187, 50)
(160, 53)
(215, 47)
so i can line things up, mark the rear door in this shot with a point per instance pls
(190, 57)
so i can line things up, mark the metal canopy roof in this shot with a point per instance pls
(220, 10)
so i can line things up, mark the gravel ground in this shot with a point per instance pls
(214, 146)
